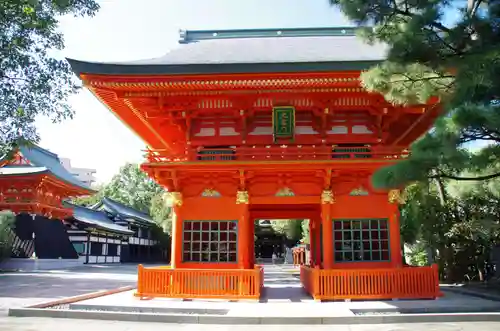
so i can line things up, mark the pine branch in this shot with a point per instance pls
(422, 79)
(480, 178)
(437, 25)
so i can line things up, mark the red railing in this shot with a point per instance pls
(275, 153)
(199, 283)
(400, 283)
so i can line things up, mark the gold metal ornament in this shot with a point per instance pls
(176, 198)
(327, 197)
(242, 197)
(395, 196)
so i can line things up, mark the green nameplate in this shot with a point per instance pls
(283, 122)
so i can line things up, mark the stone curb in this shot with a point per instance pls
(81, 297)
(472, 293)
(426, 311)
(151, 310)
(218, 311)
(245, 320)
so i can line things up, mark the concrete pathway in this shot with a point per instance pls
(283, 296)
(19, 289)
(282, 284)
(48, 324)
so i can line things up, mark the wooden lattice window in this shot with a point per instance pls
(350, 152)
(210, 241)
(361, 240)
(222, 153)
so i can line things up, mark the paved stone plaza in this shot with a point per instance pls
(23, 289)
(283, 293)
(284, 296)
(47, 324)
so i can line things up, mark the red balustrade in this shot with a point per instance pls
(271, 153)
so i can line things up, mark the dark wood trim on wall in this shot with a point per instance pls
(88, 249)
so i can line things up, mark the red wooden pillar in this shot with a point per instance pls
(317, 240)
(394, 229)
(176, 252)
(312, 244)
(251, 240)
(245, 232)
(326, 204)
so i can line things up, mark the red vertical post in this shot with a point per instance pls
(394, 229)
(327, 236)
(245, 232)
(327, 199)
(175, 254)
(312, 243)
(317, 239)
(251, 240)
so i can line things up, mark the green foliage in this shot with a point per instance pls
(305, 231)
(7, 220)
(418, 256)
(161, 212)
(32, 81)
(132, 187)
(90, 200)
(158, 234)
(292, 229)
(429, 55)
(458, 221)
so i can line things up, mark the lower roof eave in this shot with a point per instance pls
(92, 68)
(70, 187)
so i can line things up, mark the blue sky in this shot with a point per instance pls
(135, 29)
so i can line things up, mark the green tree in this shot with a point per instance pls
(132, 187)
(32, 80)
(305, 231)
(459, 223)
(292, 229)
(161, 212)
(6, 222)
(90, 200)
(431, 55)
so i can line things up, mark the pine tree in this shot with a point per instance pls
(430, 55)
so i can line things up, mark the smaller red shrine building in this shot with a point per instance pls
(270, 124)
(33, 181)
(33, 185)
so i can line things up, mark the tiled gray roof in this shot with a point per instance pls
(253, 51)
(126, 211)
(42, 160)
(97, 219)
(40, 157)
(271, 50)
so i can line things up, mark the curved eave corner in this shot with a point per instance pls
(13, 172)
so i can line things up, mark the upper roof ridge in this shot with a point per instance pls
(188, 36)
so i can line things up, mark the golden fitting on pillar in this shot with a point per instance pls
(327, 197)
(176, 198)
(394, 196)
(242, 197)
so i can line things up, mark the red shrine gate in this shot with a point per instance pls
(238, 129)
